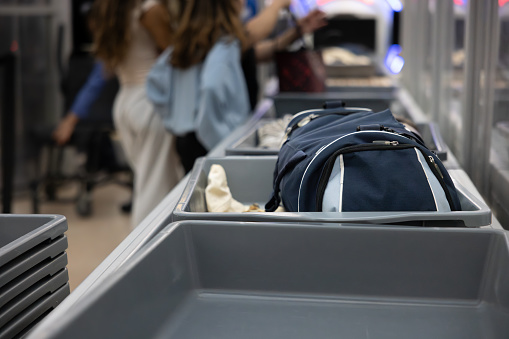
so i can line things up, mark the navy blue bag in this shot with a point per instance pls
(347, 159)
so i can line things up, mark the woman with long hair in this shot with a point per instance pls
(205, 92)
(202, 24)
(128, 36)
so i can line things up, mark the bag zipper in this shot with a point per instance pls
(374, 146)
(356, 109)
(438, 173)
(377, 145)
(324, 147)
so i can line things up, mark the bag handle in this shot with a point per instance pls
(334, 104)
(335, 107)
(275, 199)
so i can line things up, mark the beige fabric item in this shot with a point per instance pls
(218, 195)
(271, 134)
(219, 198)
(342, 56)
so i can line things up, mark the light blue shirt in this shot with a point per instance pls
(209, 99)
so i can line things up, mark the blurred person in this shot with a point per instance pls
(257, 49)
(88, 94)
(260, 49)
(92, 88)
(81, 105)
(266, 49)
(203, 95)
(128, 37)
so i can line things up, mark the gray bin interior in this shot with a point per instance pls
(267, 280)
(43, 287)
(20, 233)
(20, 325)
(31, 258)
(293, 102)
(43, 270)
(250, 181)
(340, 70)
(248, 143)
(358, 86)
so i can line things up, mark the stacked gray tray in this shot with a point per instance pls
(33, 274)
(250, 181)
(248, 143)
(233, 280)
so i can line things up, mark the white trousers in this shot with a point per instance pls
(149, 148)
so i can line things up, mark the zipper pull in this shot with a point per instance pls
(436, 166)
(383, 142)
(301, 123)
(306, 120)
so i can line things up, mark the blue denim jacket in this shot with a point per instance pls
(210, 98)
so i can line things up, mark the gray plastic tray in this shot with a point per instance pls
(333, 85)
(24, 322)
(267, 280)
(38, 254)
(45, 269)
(250, 181)
(31, 295)
(293, 102)
(248, 143)
(339, 70)
(20, 233)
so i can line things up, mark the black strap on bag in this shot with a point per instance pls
(275, 199)
(334, 104)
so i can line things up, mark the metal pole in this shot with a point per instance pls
(484, 114)
(474, 27)
(8, 130)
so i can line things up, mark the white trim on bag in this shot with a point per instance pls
(419, 154)
(341, 182)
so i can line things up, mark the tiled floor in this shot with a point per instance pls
(92, 238)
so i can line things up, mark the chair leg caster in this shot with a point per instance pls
(84, 205)
(51, 191)
(127, 206)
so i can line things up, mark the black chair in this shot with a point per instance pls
(91, 138)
